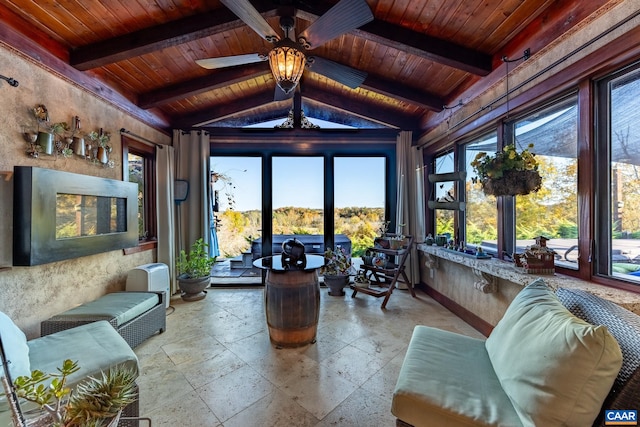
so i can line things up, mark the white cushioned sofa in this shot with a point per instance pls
(554, 359)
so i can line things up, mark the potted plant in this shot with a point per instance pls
(98, 401)
(336, 270)
(44, 132)
(194, 271)
(508, 172)
(104, 148)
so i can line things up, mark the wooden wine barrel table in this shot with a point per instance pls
(292, 300)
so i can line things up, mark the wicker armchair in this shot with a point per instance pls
(625, 327)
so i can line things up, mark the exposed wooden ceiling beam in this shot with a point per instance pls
(232, 110)
(217, 79)
(385, 116)
(195, 27)
(160, 37)
(226, 110)
(226, 77)
(431, 48)
(403, 93)
(415, 43)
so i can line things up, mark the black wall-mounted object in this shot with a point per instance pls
(180, 190)
(61, 215)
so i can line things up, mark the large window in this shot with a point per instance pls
(139, 167)
(481, 225)
(551, 212)
(618, 154)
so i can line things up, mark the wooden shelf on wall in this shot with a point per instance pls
(452, 206)
(451, 176)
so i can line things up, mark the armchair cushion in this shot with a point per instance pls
(15, 346)
(556, 369)
(16, 350)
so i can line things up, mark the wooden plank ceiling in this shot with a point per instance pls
(419, 55)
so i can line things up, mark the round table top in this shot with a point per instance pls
(274, 263)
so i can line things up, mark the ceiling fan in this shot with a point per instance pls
(287, 58)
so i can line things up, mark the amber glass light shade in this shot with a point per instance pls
(287, 64)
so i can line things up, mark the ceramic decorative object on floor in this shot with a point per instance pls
(336, 270)
(194, 289)
(336, 284)
(194, 269)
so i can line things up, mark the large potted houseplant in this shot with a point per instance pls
(194, 271)
(336, 270)
(507, 172)
(97, 401)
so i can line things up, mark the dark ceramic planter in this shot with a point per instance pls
(336, 284)
(194, 289)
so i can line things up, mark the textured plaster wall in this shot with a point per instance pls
(31, 294)
(456, 281)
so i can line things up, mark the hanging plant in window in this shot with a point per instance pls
(507, 172)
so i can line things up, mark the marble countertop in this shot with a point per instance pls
(508, 271)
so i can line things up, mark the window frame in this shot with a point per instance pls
(509, 137)
(148, 154)
(602, 245)
(462, 165)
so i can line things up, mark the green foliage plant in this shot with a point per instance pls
(494, 167)
(197, 263)
(93, 403)
(337, 262)
(507, 172)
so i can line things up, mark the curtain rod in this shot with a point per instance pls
(140, 138)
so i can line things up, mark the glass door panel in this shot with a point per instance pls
(359, 196)
(236, 186)
(298, 201)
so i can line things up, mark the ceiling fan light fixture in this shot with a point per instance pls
(287, 63)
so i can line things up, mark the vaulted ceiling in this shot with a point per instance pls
(418, 55)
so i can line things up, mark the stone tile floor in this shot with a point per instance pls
(215, 365)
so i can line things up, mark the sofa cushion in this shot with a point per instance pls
(16, 351)
(121, 306)
(446, 379)
(556, 369)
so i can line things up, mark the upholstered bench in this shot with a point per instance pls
(555, 358)
(96, 347)
(135, 315)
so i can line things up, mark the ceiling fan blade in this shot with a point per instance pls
(230, 61)
(341, 73)
(281, 95)
(345, 16)
(244, 10)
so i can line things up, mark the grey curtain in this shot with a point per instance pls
(192, 165)
(410, 209)
(165, 207)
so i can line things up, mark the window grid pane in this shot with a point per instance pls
(137, 174)
(443, 191)
(481, 225)
(624, 170)
(552, 212)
